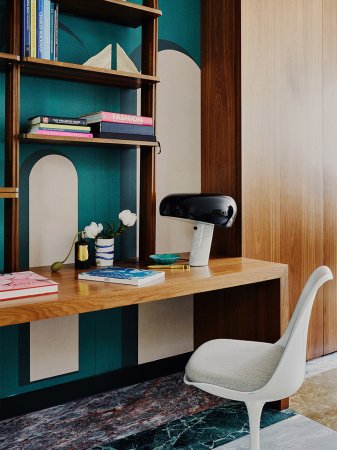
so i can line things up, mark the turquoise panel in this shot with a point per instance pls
(9, 352)
(108, 340)
(180, 24)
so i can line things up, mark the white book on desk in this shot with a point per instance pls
(121, 275)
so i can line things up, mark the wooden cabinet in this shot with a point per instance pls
(115, 11)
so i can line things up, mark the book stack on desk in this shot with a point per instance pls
(25, 284)
(59, 126)
(111, 125)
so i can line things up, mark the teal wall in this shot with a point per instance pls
(108, 340)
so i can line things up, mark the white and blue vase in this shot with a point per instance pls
(104, 249)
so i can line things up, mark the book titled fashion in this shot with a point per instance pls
(120, 275)
(25, 284)
(103, 116)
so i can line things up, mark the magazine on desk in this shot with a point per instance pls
(25, 284)
(136, 277)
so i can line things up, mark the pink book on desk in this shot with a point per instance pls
(25, 284)
(64, 133)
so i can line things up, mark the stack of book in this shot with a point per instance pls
(111, 125)
(59, 126)
(39, 29)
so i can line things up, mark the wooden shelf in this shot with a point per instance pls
(9, 192)
(115, 11)
(85, 74)
(54, 140)
(8, 58)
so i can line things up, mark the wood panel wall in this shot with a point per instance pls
(282, 158)
(330, 169)
(287, 161)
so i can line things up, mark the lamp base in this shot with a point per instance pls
(201, 244)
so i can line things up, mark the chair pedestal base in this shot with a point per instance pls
(254, 413)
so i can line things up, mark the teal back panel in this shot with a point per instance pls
(108, 340)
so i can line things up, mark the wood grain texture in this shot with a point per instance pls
(8, 58)
(282, 175)
(330, 169)
(96, 142)
(85, 74)
(12, 119)
(221, 112)
(7, 192)
(115, 11)
(79, 296)
(147, 221)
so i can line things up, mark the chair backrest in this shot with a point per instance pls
(291, 369)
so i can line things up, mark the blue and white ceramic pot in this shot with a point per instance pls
(105, 249)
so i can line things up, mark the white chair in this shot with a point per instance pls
(258, 372)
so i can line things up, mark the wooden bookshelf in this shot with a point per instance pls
(63, 140)
(86, 74)
(9, 192)
(8, 58)
(115, 11)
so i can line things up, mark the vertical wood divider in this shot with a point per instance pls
(221, 112)
(147, 226)
(11, 226)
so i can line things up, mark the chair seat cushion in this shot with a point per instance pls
(244, 366)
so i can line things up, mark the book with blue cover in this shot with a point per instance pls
(137, 277)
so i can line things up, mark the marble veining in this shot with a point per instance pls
(165, 410)
(205, 430)
(320, 365)
(317, 399)
(105, 417)
(296, 433)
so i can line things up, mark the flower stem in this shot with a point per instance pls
(72, 245)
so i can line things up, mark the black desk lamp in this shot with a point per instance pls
(207, 210)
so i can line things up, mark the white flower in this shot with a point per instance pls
(127, 218)
(92, 230)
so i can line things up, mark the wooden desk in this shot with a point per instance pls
(234, 298)
(79, 296)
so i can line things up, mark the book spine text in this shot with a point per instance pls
(40, 24)
(25, 34)
(126, 118)
(33, 28)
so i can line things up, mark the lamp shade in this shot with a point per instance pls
(215, 209)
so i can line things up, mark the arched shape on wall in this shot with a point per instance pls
(53, 221)
(53, 209)
(178, 130)
(166, 328)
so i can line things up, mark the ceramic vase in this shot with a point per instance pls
(104, 252)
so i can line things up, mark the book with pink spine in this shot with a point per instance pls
(103, 116)
(63, 133)
(25, 284)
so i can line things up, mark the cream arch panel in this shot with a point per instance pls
(53, 221)
(166, 329)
